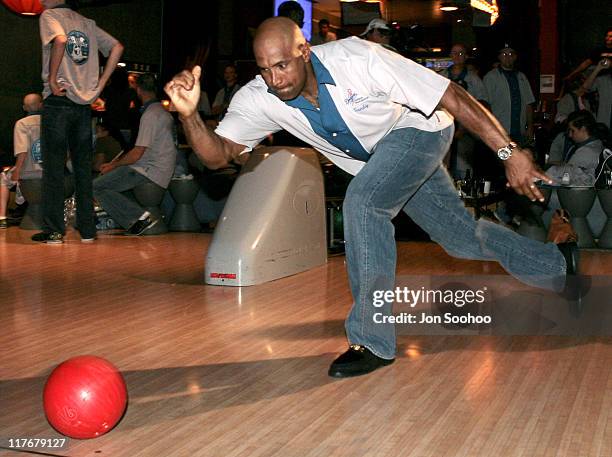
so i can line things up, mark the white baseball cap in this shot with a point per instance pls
(376, 24)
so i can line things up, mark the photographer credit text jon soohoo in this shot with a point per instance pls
(411, 297)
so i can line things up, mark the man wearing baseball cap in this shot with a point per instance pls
(378, 31)
(511, 96)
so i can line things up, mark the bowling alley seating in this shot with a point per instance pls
(32, 191)
(586, 206)
(149, 195)
(214, 188)
(533, 226)
(579, 202)
(605, 237)
(184, 192)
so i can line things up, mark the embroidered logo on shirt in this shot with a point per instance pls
(35, 152)
(77, 47)
(355, 101)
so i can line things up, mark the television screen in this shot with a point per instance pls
(438, 64)
(307, 7)
(359, 13)
(435, 63)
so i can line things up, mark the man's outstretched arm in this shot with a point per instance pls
(214, 150)
(521, 171)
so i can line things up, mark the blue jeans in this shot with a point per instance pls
(109, 191)
(66, 126)
(406, 172)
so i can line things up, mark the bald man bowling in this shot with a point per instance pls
(389, 122)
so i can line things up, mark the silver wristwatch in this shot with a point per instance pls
(506, 152)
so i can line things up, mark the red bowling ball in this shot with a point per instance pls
(84, 397)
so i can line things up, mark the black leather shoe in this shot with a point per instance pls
(570, 252)
(357, 361)
(576, 285)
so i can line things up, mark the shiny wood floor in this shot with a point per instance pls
(230, 372)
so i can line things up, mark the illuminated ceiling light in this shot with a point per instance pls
(24, 7)
(448, 7)
(488, 6)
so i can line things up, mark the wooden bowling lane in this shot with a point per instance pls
(217, 371)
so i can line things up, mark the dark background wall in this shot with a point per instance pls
(518, 26)
(221, 29)
(19, 69)
(582, 27)
(136, 24)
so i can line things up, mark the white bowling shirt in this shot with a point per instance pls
(26, 140)
(374, 90)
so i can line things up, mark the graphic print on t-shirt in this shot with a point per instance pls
(35, 152)
(77, 47)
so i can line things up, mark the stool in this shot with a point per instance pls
(32, 192)
(579, 201)
(184, 218)
(149, 195)
(605, 237)
(532, 226)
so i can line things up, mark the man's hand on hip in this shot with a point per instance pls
(57, 89)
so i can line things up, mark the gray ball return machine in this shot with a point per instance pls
(273, 223)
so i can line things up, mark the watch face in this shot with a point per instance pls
(504, 153)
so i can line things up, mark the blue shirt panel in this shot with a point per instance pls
(516, 130)
(326, 121)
